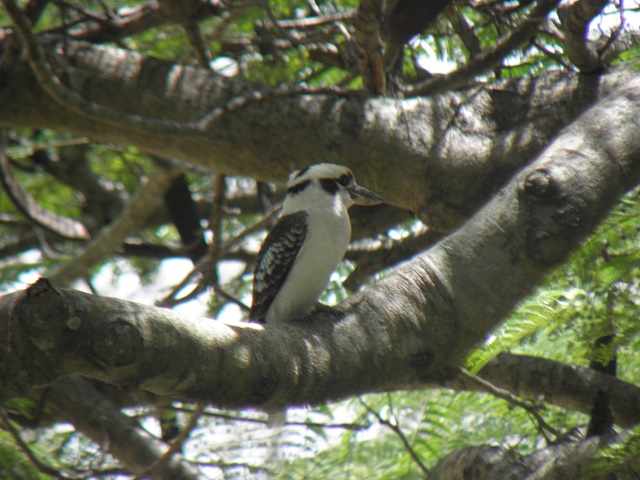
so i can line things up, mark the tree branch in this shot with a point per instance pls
(533, 410)
(71, 99)
(175, 446)
(104, 423)
(489, 58)
(367, 22)
(573, 387)
(112, 237)
(576, 17)
(442, 169)
(41, 467)
(395, 428)
(417, 323)
(488, 462)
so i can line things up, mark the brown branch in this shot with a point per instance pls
(309, 22)
(395, 428)
(198, 43)
(134, 21)
(376, 256)
(68, 98)
(211, 274)
(465, 32)
(278, 26)
(556, 57)
(488, 58)
(103, 421)
(354, 427)
(175, 446)
(368, 37)
(576, 17)
(531, 408)
(110, 238)
(171, 300)
(34, 9)
(210, 266)
(49, 220)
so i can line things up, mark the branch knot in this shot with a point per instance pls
(540, 184)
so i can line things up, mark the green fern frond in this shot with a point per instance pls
(617, 268)
(545, 308)
(620, 458)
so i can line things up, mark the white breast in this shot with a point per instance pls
(328, 236)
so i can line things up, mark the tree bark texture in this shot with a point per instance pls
(441, 157)
(416, 325)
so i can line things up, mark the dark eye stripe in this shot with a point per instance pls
(330, 185)
(298, 187)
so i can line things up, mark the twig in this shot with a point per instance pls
(294, 41)
(211, 265)
(230, 298)
(251, 229)
(198, 43)
(171, 300)
(130, 22)
(552, 55)
(398, 431)
(68, 98)
(42, 468)
(110, 238)
(465, 32)
(532, 409)
(176, 445)
(227, 416)
(308, 22)
(488, 58)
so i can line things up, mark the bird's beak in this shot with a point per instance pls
(362, 196)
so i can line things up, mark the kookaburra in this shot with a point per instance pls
(307, 243)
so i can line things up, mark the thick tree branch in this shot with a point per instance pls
(417, 324)
(568, 386)
(441, 157)
(60, 93)
(488, 462)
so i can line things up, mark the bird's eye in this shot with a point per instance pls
(344, 180)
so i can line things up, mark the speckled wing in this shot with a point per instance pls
(275, 259)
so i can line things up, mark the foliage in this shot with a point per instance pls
(617, 458)
(593, 294)
(14, 465)
(559, 321)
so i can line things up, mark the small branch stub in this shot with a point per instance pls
(540, 184)
(553, 210)
(33, 313)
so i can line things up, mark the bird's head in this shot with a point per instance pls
(325, 182)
